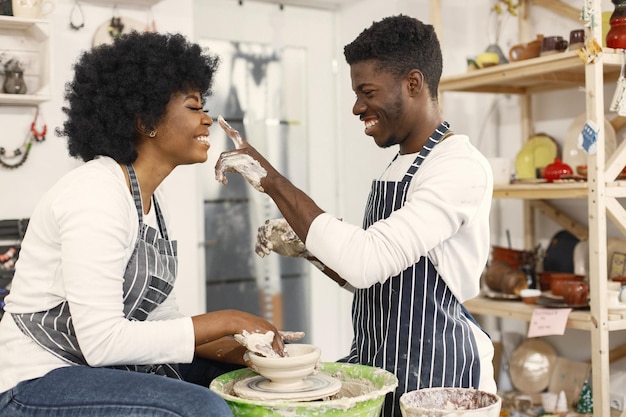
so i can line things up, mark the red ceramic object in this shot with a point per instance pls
(515, 258)
(558, 279)
(616, 37)
(556, 170)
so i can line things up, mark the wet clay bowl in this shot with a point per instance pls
(444, 402)
(363, 390)
(300, 362)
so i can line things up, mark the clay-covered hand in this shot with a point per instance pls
(277, 235)
(238, 161)
(260, 343)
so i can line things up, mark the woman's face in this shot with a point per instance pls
(182, 135)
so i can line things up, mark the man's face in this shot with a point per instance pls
(380, 103)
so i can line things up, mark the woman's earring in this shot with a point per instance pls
(152, 133)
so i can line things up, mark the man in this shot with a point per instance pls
(425, 235)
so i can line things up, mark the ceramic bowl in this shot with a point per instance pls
(576, 293)
(487, 59)
(558, 279)
(514, 257)
(556, 170)
(434, 402)
(530, 295)
(301, 362)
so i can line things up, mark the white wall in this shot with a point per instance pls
(314, 31)
(49, 160)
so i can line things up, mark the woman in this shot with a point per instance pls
(91, 322)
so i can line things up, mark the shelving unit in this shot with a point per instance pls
(28, 40)
(601, 190)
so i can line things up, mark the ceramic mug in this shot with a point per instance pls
(32, 9)
(576, 39)
(526, 50)
(553, 44)
(575, 293)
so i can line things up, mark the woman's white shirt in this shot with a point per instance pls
(57, 263)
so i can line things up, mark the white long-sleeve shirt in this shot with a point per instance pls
(445, 217)
(78, 242)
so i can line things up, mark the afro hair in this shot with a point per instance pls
(400, 44)
(117, 85)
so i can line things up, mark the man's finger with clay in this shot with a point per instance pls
(238, 161)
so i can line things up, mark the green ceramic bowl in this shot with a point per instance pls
(362, 394)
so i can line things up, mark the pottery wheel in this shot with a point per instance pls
(313, 387)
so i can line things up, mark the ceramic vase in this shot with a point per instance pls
(14, 82)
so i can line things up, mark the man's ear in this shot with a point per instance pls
(415, 80)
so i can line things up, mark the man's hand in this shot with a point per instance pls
(239, 160)
(277, 235)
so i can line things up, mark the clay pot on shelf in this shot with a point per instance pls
(527, 50)
(576, 293)
(513, 257)
(556, 170)
(558, 280)
(514, 282)
(14, 83)
(494, 274)
(530, 295)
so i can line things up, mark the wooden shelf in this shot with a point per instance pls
(123, 3)
(23, 99)
(14, 23)
(542, 191)
(578, 319)
(553, 72)
(554, 191)
(557, 72)
(27, 40)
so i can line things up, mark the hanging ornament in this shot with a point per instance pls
(34, 135)
(77, 13)
(38, 135)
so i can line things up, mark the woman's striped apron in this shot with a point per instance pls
(148, 280)
(412, 325)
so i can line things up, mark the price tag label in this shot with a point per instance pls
(548, 321)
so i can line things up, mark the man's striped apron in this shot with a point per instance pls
(412, 324)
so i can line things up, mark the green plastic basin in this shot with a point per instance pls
(362, 394)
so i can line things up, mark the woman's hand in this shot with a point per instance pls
(210, 327)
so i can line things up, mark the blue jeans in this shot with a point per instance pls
(77, 391)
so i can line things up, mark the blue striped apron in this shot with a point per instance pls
(148, 280)
(412, 324)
